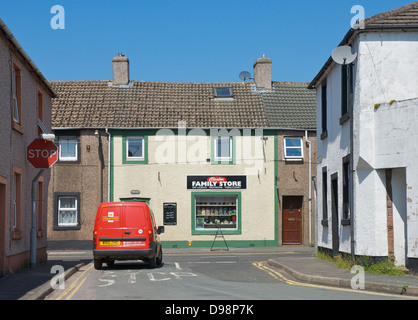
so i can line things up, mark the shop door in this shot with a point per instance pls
(292, 220)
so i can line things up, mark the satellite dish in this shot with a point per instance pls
(245, 75)
(343, 55)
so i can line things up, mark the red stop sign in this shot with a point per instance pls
(42, 154)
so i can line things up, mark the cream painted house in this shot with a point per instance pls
(181, 170)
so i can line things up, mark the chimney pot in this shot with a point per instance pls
(120, 70)
(262, 73)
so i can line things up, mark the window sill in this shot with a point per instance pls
(78, 161)
(214, 232)
(16, 126)
(62, 228)
(226, 162)
(293, 160)
(345, 222)
(344, 118)
(126, 161)
(17, 235)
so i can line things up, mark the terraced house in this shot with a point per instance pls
(207, 157)
(25, 111)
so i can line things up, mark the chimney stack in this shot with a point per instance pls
(262, 73)
(120, 70)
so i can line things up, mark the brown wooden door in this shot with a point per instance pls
(292, 220)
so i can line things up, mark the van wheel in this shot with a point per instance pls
(152, 261)
(110, 263)
(97, 264)
(160, 258)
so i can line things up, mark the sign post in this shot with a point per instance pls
(42, 154)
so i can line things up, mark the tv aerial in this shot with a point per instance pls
(344, 55)
(244, 75)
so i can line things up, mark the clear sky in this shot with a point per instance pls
(183, 40)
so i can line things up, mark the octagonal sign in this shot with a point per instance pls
(42, 154)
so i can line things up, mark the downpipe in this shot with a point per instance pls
(33, 240)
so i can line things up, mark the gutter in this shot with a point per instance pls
(158, 128)
(109, 141)
(33, 242)
(308, 142)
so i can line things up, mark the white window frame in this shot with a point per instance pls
(16, 115)
(75, 158)
(75, 209)
(285, 148)
(217, 95)
(230, 149)
(132, 158)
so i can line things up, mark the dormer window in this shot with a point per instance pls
(223, 92)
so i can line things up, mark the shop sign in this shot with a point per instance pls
(216, 182)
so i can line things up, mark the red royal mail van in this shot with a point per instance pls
(126, 231)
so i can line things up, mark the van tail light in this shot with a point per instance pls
(95, 240)
(150, 235)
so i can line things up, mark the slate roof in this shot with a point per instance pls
(145, 104)
(402, 18)
(291, 105)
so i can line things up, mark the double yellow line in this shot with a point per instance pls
(72, 289)
(278, 276)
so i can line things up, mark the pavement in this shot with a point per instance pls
(302, 265)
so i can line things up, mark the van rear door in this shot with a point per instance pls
(110, 223)
(136, 227)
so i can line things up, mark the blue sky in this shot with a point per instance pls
(183, 40)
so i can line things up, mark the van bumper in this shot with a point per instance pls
(125, 254)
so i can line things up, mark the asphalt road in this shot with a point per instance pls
(205, 277)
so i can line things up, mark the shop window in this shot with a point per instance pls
(293, 148)
(68, 149)
(216, 210)
(67, 211)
